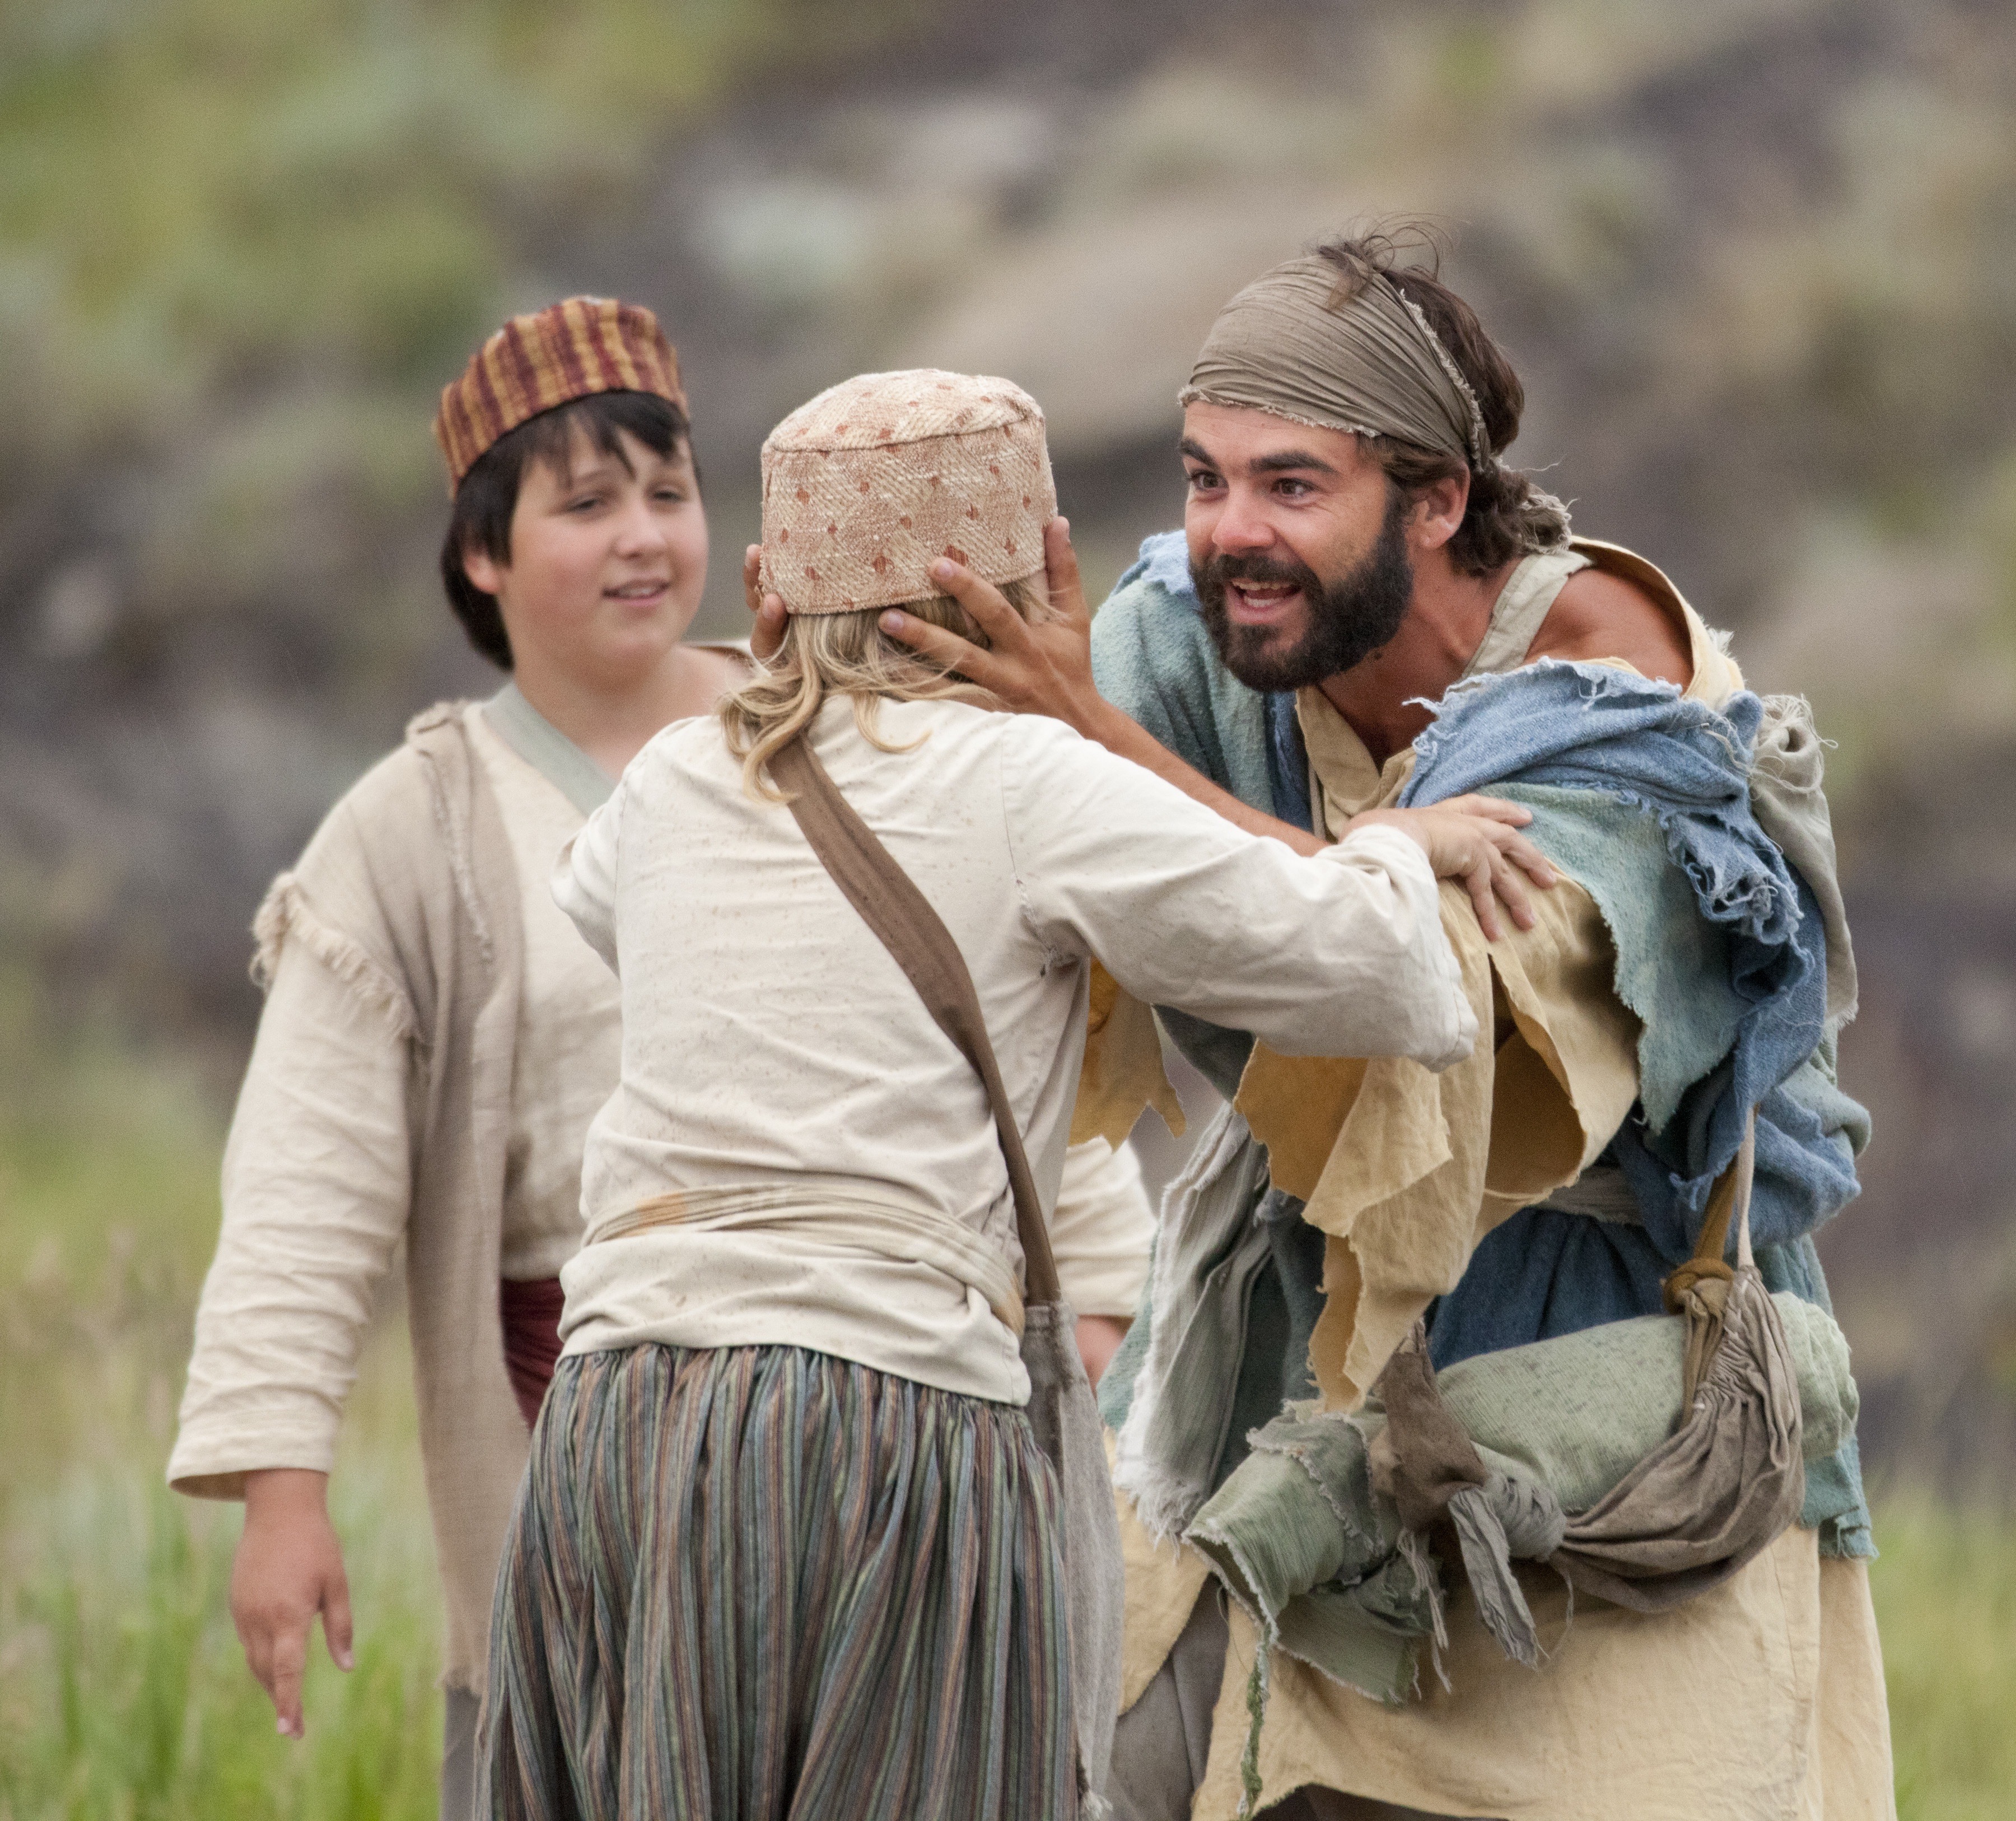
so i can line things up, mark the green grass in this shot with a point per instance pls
(123, 1693)
(1946, 1603)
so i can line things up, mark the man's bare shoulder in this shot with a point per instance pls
(1598, 615)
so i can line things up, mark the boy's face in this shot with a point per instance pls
(608, 562)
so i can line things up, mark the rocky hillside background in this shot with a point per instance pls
(1755, 259)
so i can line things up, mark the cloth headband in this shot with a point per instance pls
(1371, 365)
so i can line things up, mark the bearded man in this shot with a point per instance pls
(1405, 1378)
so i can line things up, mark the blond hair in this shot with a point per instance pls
(849, 653)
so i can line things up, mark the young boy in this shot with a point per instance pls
(436, 1036)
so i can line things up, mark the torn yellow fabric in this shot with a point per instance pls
(1404, 1170)
(1163, 1580)
(1122, 1075)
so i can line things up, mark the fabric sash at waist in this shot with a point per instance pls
(1602, 1193)
(908, 1234)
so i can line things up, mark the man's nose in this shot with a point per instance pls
(1243, 525)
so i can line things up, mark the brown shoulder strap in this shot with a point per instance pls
(915, 934)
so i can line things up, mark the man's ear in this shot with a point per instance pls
(1439, 510)
(483, 570)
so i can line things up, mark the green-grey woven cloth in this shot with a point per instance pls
(1299, 1534)
(1208, 1251)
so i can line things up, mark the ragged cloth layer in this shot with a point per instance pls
(1723, 945)
(1406, 1171)
(1762, 1701)
(1781, 1668)
(1408, 1174)
(1153, 658)
(1301, 1537)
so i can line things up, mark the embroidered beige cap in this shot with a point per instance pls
(867, 484)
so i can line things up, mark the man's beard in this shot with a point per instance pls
(1349, 619)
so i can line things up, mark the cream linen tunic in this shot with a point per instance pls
(317, 1177)
(840, 1182)
(316, 1180)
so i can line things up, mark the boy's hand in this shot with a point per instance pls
(288, 1566)
(767, 610)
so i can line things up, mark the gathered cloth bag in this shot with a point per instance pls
(1061, 1409)
(1706, 1501)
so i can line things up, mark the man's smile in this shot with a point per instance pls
(1259, 604)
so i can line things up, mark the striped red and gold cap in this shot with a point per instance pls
(550, 358)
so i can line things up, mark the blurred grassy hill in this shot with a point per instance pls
(1756, 260)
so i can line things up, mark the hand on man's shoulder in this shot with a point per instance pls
(1598, 615)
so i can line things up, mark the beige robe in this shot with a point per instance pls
(410, 895)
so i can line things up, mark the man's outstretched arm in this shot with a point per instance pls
(1044, 667)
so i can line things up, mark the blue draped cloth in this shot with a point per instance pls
(1641, 746)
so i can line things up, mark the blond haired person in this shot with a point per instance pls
(437, 1036)
(787, 1545)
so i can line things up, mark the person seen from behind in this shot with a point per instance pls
(788, 1543)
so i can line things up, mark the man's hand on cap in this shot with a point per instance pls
(1042, 667)
(767, 634)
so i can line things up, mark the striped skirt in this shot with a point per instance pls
(750, 1583)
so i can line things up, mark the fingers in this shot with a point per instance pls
(1060, 571)
(766, 636)
(1490, 810)
(986, 604)
(286, 1665)
(1534, 864)
(1506, 884)
(257, 1640)
(335, 1622)
(1478, 882)
(941, 647)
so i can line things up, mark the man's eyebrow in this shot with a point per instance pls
(1285, 460)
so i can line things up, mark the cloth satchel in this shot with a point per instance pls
(1705, 1502)
(1061, 1410)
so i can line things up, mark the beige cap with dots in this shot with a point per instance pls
(867, 485)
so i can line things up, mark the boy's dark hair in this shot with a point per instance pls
(488, 494)
(1508, 516)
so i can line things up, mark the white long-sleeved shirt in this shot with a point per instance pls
(823, 1161)
(317, 1174)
